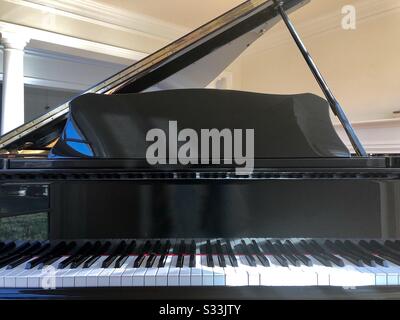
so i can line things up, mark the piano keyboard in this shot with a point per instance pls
(205, 262)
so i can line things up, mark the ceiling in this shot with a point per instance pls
(186, 13)
(193, 13)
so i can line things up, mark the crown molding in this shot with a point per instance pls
(64, 42)
(367, 10)
(377, 136)
(108, 16)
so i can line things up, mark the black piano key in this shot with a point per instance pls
(246, 252)
(368, 256)
(142, 254)
(231, 254)
(2, 244)
(192, 252)
(66, 251)
(45, 255)
(315, 254)
(164, 255)
(303, 258)
(14, 254)
(150, 260)
(7, 248)
(210, 260)
(114, 255)
(286, 253)
(27, 257)
(384, 248)
(13, 250)
(257, 252)
(391, 245)
(128, 251)
(23, 251)
(181, 251)
(378, 260)
(153, 255)
(220, 252)
(397, 243)
(326, 254)
(96, 255)
(383, 251)
(337, 248)
(63, 264)
(355, 253)
(86, 255)
(268, 248)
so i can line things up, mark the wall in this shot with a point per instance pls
(361, 66)
(41, 100)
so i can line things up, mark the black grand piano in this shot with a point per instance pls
(84, 212)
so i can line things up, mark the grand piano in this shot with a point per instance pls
(85, 214)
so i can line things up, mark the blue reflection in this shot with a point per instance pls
(70, 131)
(81, 147)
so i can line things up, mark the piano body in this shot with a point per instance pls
(309, 221)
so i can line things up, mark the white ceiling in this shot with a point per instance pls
(192, 13)
(186, 13)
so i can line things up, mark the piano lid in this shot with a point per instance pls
(192, 61)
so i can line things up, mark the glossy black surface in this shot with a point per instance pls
(208, 293)
(225, 208)
(17, 199)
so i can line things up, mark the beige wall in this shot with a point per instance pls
(362, 66)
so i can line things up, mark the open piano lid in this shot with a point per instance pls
(192, 61)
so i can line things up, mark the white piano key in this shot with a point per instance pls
(59, 274)
(321, 271)
(196, 274)
(68, 280)
(173, 273)
(374, 273)
(277, 275)
(10, 277)
(218, 273)
(3, 273)
(116, 276)
(127, 275)
(162, 273)
(151, 273)
(138, 277)
(103, 279)
(21, 280)
(207, 272)
(231, 277)
(241, 273)
(349, 276)
(87, 277)
(185, 273)
(263, 271)
(391, 274)
(252, 272)
(36, 277)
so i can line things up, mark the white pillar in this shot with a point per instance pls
(12, 114)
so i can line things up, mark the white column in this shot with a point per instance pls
(12, 114)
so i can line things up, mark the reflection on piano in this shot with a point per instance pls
(84, 215)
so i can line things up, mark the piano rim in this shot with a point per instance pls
(375, 168)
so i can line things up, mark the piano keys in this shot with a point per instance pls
(277, 262)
